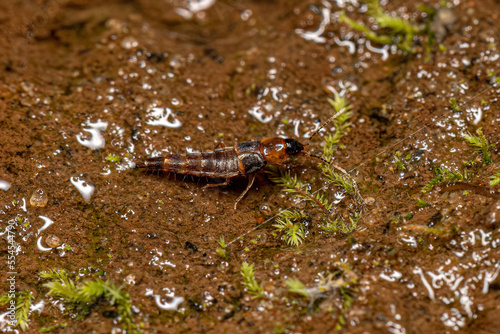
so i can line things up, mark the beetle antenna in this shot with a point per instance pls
(320, 158)
(316, 132)
(324, 124)
(316, 156)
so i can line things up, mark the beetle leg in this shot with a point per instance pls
(250, 183)
(225, 183)
(219, 144)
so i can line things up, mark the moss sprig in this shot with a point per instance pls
(454, 105)
(4, 298)
(24, 300)
(444, 175)
(293, 185)
(397, 30)
(60, 285)
(23, 304)
(339, 224)
(422, 203)
(340, 180)
(495, 179)
(253, 287)
(84, 296)
(480, 144)
(341, 123)
(222, 251)
(343, 280)
(290, 224)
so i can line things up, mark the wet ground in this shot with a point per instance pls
(86, 88)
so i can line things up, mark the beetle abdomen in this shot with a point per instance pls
(220, 163)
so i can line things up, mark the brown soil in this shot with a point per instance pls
(67, 63)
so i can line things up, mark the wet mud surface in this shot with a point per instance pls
(88, 88)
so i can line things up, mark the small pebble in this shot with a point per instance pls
(26, 102)
(27, 86)
(39, 198)
(446, 16)
(114, 25)
(369, 201)
(53, 241)
(190, 246)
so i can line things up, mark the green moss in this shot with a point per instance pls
(113, 158)
(23, 303)
(495, 179)
(248, 273)
(291, 223)
(81, 298)
(221, 251)
(294, 233)
(480, 144)
(395, 30)
(444, 175)
(342, 282)
(454, 105)
(421, 203)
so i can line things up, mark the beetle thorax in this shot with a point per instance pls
(274, 150)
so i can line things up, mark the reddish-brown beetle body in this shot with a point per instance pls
(246, 158)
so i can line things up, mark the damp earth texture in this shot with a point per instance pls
(407, 240)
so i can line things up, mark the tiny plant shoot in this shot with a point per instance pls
(396, 30)
(480, 144)
(82, 298)
(249, 281)
(291, 224)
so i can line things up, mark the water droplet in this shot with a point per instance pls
(193, 7)
(493, 218)
(129, 42)
(40, 246)
(39, 198)
(53, 241)
(259, 114)
(86, 190)
(159, 117)
(130, 279)
(315, 36)
(350, 45)
(265, 209)
(336, 70)
(47, 223)
(172, 306)
(95, 142)
(298, 202)
(4, 185)
(245, 15)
